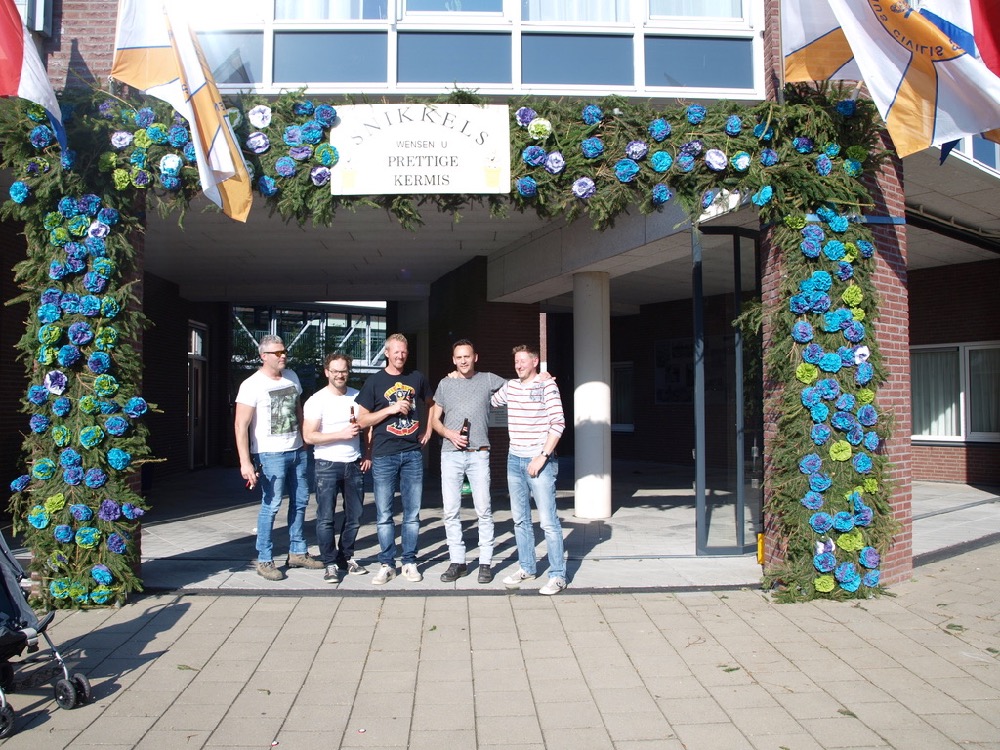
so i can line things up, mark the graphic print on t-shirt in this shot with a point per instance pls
(407, 425)
(284, 419)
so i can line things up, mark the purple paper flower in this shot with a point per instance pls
(117, 543)
(810, 396)
(768, 157)
(716, 160)
(73, 475)
(80, 333)
(325, 115)
(802, 144)
(525, 115)
(300, 153)
(39, 423)
(810, 464)
(636, 150)
(824, 562)
(866, 248)
(109, 510)
(813, 353)
(854, 331)
(132, 512)
(802, 332)
(869, 557)
(116, 426)
(319, 176)
(867, 415)
(95, 478)
(584, 188)
(285, 166)
(81, 512)
(55, 381)
(661, 194)
(555, 163)
(258, 143)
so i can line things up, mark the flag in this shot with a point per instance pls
(21, 71)
(157, 52)
(929, 88)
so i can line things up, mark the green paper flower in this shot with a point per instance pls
(142, 139)
(796, 222)
(866, 396)
(121, 179)
(852, 296)
(840, 451)
(55, 503)
(850, 252)
(824, 584)
(871, 485)
(857, 313)
(852, 541)
(806, 373)
(106, 161)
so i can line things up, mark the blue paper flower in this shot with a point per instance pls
(824, 562)
(40, 136)
(626, 170)
(847, 107)
(685, 163)
(812, 500)
(38, 517)
(821, 522)
(592, 114)
(19, 192)
(854, 331)
(866, 248)
(91, 436)
(810, 249)
(44, 469)
(740, 161)
(828, 388)
(69, 457)
(20, 483)
(820, 434)
(871, 441)
(733, 125)
(867, 415)
(661, 161)
(533, 155)
(659, 129)
(73, 475)
(823, 165)
(846, 402)
(843, 521)
(95, 478)
(802, 332)
(864, 373)
(845, 271)
(763, 196)
(101, 574)
(696, 114)
(267, 186)
(88, 537)
(768, 157)
(661, 194)
(59, 588)
(119, 459)
(813, 353)
(843, 421)
(819, 482)
(869, 557)
(325, 115)
(834, 250)
(862, 463)
(810, 463)
(527, 187)
(853, 167)
(763, 132)
(864, 516)
(830, 362)
(802, 144)
(132, 512)
(63, 533)
(116, 426)
(592, 147)
(135, 407)
(81, 512)
(810, 396)
(871, 578)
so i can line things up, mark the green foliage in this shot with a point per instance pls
(790, 160)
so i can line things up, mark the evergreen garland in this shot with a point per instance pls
(801, 163)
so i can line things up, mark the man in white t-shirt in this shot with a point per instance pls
(269, 442)
(340, 461)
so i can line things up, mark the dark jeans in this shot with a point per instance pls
(333, 477)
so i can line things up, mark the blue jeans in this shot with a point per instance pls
(475, 466)
(543, 489)
(281, 473)
(334, 477)
(405, 472)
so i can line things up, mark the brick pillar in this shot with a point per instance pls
(770, 293)
(893, 336)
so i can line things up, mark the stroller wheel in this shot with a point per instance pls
(65, 694)
(6, 720)
(83, 691)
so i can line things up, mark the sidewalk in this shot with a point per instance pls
(696, 670)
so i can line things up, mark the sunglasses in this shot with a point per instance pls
(278, 353)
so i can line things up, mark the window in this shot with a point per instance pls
(699, 62)
(451, 58)
(573, 11)
(234, 56)
(301, 57)
(622, 401)
(577, 59)
(696, 8)
(955, 392)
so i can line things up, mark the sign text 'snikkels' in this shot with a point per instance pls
(388, 149)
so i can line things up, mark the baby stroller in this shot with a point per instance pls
(19, 632)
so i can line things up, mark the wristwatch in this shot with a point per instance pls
(547, 455)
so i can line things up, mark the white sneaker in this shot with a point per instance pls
(553, 586)
(385, 574)
(410, 573)
(518, 577)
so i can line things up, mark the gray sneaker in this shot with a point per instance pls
(516, 578)
(268, 571)
(554, 586)
(331, 575)
(385, 574)
(356, 568)
(305, 560)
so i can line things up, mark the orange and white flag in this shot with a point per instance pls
(156, 51)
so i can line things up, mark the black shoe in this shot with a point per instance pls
(454, 572)
(485, 574)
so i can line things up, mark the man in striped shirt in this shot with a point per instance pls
(535, 422)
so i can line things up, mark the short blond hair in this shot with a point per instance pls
(397, 337)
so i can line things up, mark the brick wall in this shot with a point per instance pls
(81, 48)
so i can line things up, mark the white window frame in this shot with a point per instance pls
(965, 384)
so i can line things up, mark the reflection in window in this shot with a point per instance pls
(573, 11)
(323, 10)
(450, 58)
(454, 6)
(234, 56)
(984, 151)
(696, 8)
(699, 62)
(354, 57)
(936, 390)
(577, 59)
(984, 390)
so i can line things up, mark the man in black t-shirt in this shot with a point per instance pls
(389, 402)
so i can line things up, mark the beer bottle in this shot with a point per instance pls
(464, 432)
(354, 419)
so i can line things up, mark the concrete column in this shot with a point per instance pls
(592, 397)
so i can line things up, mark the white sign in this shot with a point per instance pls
(405, 149)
